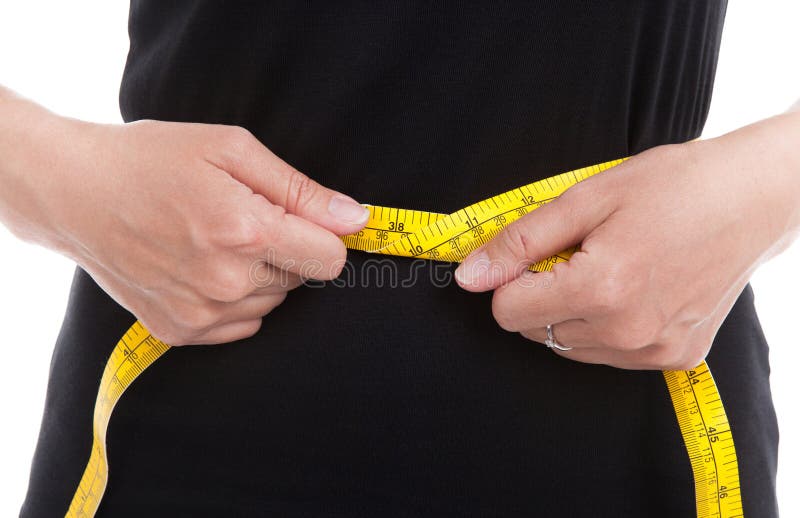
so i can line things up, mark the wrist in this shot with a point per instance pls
(764, 160)
(781, 137)
(33, 171)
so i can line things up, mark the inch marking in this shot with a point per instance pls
(700, 414)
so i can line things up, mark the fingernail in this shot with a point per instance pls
(473, 270)
(347, 210)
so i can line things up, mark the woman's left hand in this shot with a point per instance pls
(668, 241)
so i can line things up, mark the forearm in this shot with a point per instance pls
(764, 158)
(32, 141)
(784, 135)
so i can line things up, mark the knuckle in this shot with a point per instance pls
(610, 294)
(277, 300)
(627, 338)
(274, 222)
(165, 332)
(249, 234)
(263, 275)
(571, 285)
(666, 357)
(191, 320)
(290, 281)
(241, 232)
(230, 144)
(692, 362)
(691, 358)
(228, 284)
(515, 240)
(247, 330)
(255, 326)
(682, 365)
(172, 338)
(616, 340)
(501, 312)
(300, 192)
(268, 279)
(236, 139)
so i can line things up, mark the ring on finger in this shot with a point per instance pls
(551, 341)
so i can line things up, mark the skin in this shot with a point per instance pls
(668, 241)
(201, 206)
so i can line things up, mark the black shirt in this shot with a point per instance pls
(366, 400)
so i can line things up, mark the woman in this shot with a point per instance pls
(409, 401)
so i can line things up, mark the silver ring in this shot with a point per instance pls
(551, 341)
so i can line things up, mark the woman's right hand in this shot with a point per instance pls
(172, 219)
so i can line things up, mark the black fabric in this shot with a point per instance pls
(357, 399)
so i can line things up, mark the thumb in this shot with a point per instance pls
(546, 231)
(251, 163)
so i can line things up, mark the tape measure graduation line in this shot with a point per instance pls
(709, 441)
(451, 237)
(134, 352)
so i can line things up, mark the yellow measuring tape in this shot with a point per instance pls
(412, 233)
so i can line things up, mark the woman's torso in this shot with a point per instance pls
(375, 398)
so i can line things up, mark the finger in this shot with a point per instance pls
(576, 333)
(229, 332)
(253, 164)
(273, 237)
(268, 279)
(249, 308)
(546, 231)
(299, 246)
(534, 300)
(586, 337)
(640, 359)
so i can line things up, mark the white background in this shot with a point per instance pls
(69, 56)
